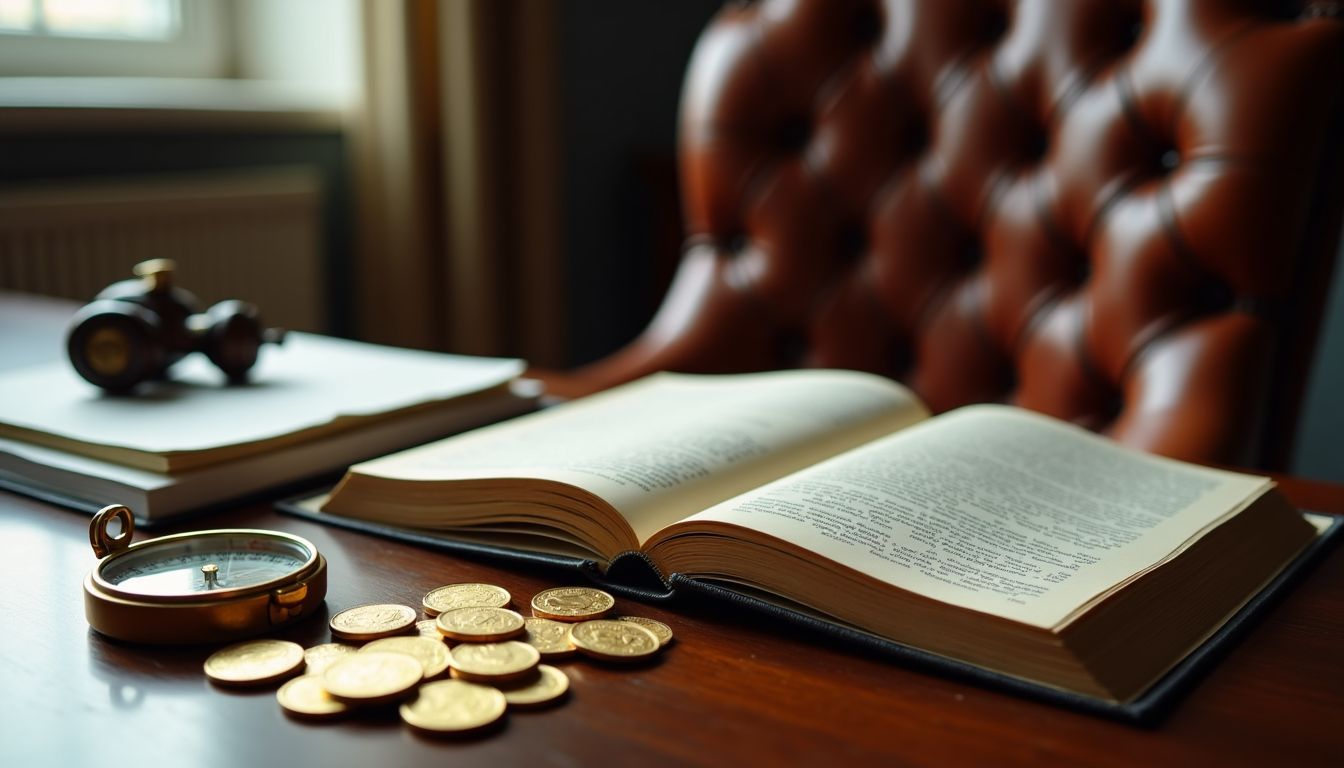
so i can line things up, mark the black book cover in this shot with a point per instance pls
(634, 576)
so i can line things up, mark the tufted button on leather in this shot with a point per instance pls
(1214, 297)
(868, 24)
(1083, 270)
(1133, 33)
(792, 346)
(1105, 415)
(1261, 306)
(736, 243)
(794, 133)
(1038, 146)
(1168, 160)
(1113, 406)
(915, 137)
(853, 242)
(972, 254)
(1009, 384)
(993, 25)
(901, 359)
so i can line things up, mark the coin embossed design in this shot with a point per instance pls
(547, 688)
(452, 596)
(549, 637)
(481, 624)
(494, 662)
(453, 707)
(320, 657)
(370, 622)
(372, 678)
(432, 654)
(572, 604)
(255, 662)
(306, 697)
(658, 628)
(614, 640)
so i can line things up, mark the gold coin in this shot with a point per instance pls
(453, 707)
(480, 625)
(255, 662)
(320, 657)
(548, 686)
(465, 596)
(549, 637)
(370, 622)
(658, 628)
(614, 640)
(372, 678)
(432, 654)
(572, 604)
(306, 697)
(430, 628)
(494, 662)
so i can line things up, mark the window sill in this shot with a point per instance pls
(87, 104)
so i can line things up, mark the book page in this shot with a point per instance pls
(670, 445)
(996, 510)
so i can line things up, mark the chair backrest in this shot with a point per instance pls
(1121, 213)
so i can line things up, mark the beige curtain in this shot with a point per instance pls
(456, 166)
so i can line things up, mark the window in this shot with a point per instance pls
(131, 38)
(110, 19)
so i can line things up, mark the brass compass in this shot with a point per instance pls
(198, 587)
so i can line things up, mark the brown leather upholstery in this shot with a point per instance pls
(1120, 213)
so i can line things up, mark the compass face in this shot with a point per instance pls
(199, 565)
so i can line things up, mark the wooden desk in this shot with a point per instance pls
(729, 691)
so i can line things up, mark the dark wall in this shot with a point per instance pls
(1319, 452)
(621, 67)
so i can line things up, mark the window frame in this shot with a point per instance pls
(200, 49)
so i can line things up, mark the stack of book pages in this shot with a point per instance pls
(313, 406)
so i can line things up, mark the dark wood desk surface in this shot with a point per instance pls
(730, 691)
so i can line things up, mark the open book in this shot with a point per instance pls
(988, 535)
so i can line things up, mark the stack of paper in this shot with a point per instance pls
(314, 405)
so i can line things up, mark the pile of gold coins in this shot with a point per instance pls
(456, 672)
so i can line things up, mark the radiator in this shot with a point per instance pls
(252, 235)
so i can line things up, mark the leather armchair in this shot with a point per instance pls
(1120, 213)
